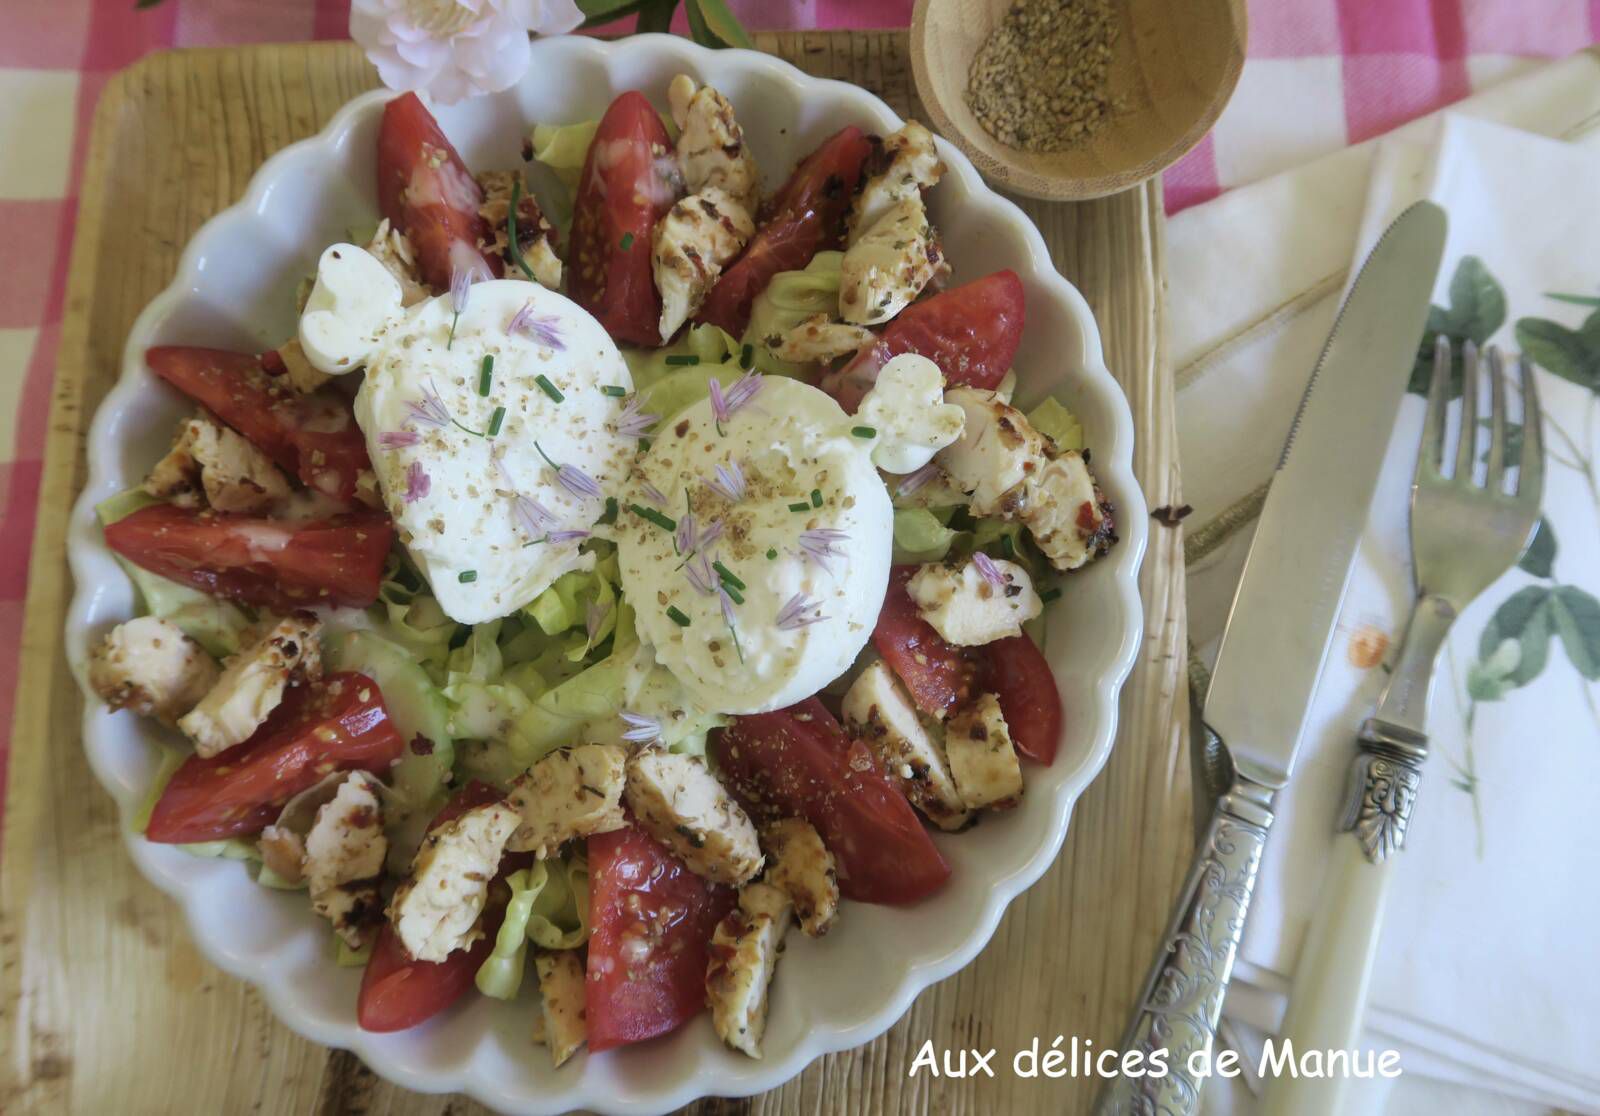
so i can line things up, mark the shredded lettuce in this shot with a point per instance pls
(1061, 425)
(500, 975)
(348, 958)
(171, 760)
(409, 615)
(266, 877)
(550, 907)
(919, 536)
(789, 299)
(563, 148)
(217, 625)
(230, 848)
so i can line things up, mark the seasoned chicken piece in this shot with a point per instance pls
(561, 995)
(982, 757)
(744, 955)
(906, 408)
(997, 451)
(149, 666)
(679, 802)
(435, 911)
(210, 459)
(711, 147)
(698, 235)
(800, 866)
(913, 165)
(568, 794)
(820, 339)
(393, 250)
(877, 709)
(977, 602)
(536, 237)
(252, 684)
(1066, 513)
(889, 264)
(297, 368)
(283, 851)
(344, 853)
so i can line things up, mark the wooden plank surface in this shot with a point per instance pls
(108, 1007)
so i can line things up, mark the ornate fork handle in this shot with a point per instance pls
(1182, 999)
(1385, 776)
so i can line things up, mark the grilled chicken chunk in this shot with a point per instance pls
(210, 464)
(435, 911)
(877, 709)
(150, 666)
(800, 866)
(982, 758)
(679, 802)
(694, 241)
(253, 682)
(572, 793)
(744, 955)
(711, 148)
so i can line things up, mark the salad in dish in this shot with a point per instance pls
(621, 565)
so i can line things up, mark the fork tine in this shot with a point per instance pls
(1495, 480)
(1530, 472)
(1431, 454)
(1469, 414)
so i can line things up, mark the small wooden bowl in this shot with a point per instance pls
(1174, 66)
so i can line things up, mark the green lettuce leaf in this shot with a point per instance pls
(789, 299)
(560, 915)
(919, 536)
(500, 975)
(1061, 425)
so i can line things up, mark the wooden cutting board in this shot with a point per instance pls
(108, 1005)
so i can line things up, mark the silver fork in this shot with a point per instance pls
(1464, 536)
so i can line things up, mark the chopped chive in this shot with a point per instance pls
(548, 388)
(677, 617)
(728, 576)
(1007, 547)
(772, 552)
(513, 249)
(733, 594)
(1050, 594)
(816, 497)
(616, 391)
(800, 507)
(665, 522)
(644, 445)
(747, 356)
(627, 241)
(610, 514)
(863, 432)
(486, 376)
(682, 359)
(495, 420)
(467, 577)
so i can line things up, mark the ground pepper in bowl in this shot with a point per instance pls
(1039, 81)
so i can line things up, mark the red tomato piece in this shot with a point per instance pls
(799, 762)
(1015, 671)
(398, 991)
(938, 675)
(427, 192)
(337, 724)
(313, 437)
(651, 921)
(971, 332)
(622, 194)
(808, 215)
(264, 562)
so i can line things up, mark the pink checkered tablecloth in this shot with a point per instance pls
(1320, 74)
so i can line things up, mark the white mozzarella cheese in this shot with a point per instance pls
(353, 304)
(907, 409)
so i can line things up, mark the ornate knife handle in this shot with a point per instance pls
(1182, 998)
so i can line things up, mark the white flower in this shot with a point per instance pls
(452, 49)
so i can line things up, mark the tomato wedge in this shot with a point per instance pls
(808, 215)
(938, 675)
(427, 192)
(313, 437)
(337, 724)
(651, 921)
(398, 991)
(971, 332)
(1015, 671)
(799, 761)
(621, 196)
(265, 562)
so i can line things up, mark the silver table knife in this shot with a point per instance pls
(1277, 637)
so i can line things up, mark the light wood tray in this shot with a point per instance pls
(107, 1005)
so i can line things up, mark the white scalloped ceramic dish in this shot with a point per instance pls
(234, 289)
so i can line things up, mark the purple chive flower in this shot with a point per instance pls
(572, 478)
(729, 482)
(532, 516)
(817, 544)
(641, 729)
(991, 572)
(653, 494)
(632, 423)
(710, 535)
(461, 280)
(799, 611)
(916, 480)
(727, 607)
(594, 619)
(566, 536)
(700, 574)
(684, 537)
(417, 482)
(398, 439)
(724, 404)
(430, 411)
(543, 328)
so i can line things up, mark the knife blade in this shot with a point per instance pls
(1274, 647)
(1294, 580)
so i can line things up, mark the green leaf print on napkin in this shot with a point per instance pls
(1572, 354)
(1576, 615)
(1477, 308)
(1540, 556)
(1523, 620)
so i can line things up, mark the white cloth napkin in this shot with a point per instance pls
(1486, 972)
